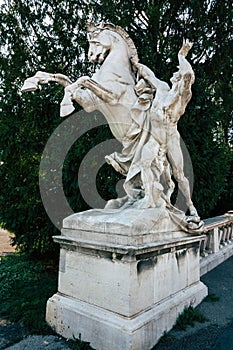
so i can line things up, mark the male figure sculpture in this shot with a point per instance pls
(166, 109)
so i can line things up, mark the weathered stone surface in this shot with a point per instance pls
(127, 271)
(123, 296)
(129, 226)
(142, 112)
(131, 282)
(106, 330)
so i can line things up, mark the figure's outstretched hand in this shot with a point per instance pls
(187, 45)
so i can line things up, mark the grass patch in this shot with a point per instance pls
(79, 344)
(25, 286)
(188, 318)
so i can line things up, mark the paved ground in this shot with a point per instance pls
(217, 332)
(38, 342)
(214, 334)
(10, 333)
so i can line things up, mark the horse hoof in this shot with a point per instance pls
(30, 84)
(66, 110)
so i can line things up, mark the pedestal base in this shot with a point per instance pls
(119, 295)
(107, 330)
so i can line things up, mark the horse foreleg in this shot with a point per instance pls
(32, 83)
(84, 91)
(75, 92)
(102, 92)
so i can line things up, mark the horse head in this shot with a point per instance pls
(106, 37)
(99, 46)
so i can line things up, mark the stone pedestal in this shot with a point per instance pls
(122, 288)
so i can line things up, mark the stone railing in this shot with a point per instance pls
(217, 245)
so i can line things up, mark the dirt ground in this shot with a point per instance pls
(5, 247)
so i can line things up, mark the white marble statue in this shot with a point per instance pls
(142, 112)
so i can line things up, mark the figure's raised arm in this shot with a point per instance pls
(186, 47)
(184, 65)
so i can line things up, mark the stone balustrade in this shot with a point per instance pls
(217, 244)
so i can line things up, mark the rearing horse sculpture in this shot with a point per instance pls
(130, 104)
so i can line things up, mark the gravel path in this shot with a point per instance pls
(10, 333)
(39, 342)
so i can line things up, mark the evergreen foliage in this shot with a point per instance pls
(25, 286)
(51, 36)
